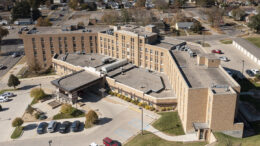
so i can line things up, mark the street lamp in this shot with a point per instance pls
(243, 65)
(142, 111)
(40, 86)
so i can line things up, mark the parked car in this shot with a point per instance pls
(75, 126)
(250, 73)
(42, 117)
(224, 58)
(8, 94)
(109, 142)
(2, 66)
(42, 127)
(14, 55)
(255, 71)
(64, 127)
(3, 98)
(52, 126)
(217, 51)
(93, 144)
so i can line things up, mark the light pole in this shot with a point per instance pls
(243, 65)
(40, 86)
(142, 129)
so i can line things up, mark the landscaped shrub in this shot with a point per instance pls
(163, 108)
(37, 93)
(17, 122)
(91, 119)
(152, 108)
(147, 107)
(168, 108)
(37, 115)
(110, 92)
(140, 104)
(66, 109)
(76, 113)
(118, 95)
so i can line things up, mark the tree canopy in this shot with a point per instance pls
(21, 10)
(140, 3)
(13, 81)
(255, 23)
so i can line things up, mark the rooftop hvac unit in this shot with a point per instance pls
(114, 65)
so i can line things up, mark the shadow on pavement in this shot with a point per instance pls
(27, 87)
(104, 120)
(30, 127)
(4, 109)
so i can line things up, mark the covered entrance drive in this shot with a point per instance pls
(71, 86)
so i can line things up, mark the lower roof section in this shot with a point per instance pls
(76, 81)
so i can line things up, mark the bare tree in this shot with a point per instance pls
(3, 33)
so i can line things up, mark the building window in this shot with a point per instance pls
(90, 38)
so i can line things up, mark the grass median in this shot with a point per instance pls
(17, 132)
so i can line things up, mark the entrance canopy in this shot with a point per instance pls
(77, 81)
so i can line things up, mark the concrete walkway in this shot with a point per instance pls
(181, 138)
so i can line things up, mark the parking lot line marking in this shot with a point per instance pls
(123, 133)
(134, 109)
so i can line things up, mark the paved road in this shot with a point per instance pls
(8, 62)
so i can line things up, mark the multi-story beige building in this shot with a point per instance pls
(144, 66)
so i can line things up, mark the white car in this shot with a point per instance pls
(93, 144)
(255, 71)
(3, 99)
(223, 58)
(8, 94)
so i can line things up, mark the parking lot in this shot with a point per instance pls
(235, 56)
(117, 121)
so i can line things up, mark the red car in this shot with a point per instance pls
(109, 142)
(217, 51)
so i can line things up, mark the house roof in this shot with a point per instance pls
(184, 24)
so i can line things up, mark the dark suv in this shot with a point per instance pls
(64, 127)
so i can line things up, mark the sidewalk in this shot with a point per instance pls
(181, 138)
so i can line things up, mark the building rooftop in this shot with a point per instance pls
(168, 43)
(84, 60)
(152, 83)
(65, 30)
(76, 81)
(248, 46)
(199, 76)
(132, 29)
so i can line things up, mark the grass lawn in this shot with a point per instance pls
(17, 132)
(225, 140)
(254, 40)
(169, 123)
(149, 139)
(226, 41)
(75, 114)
